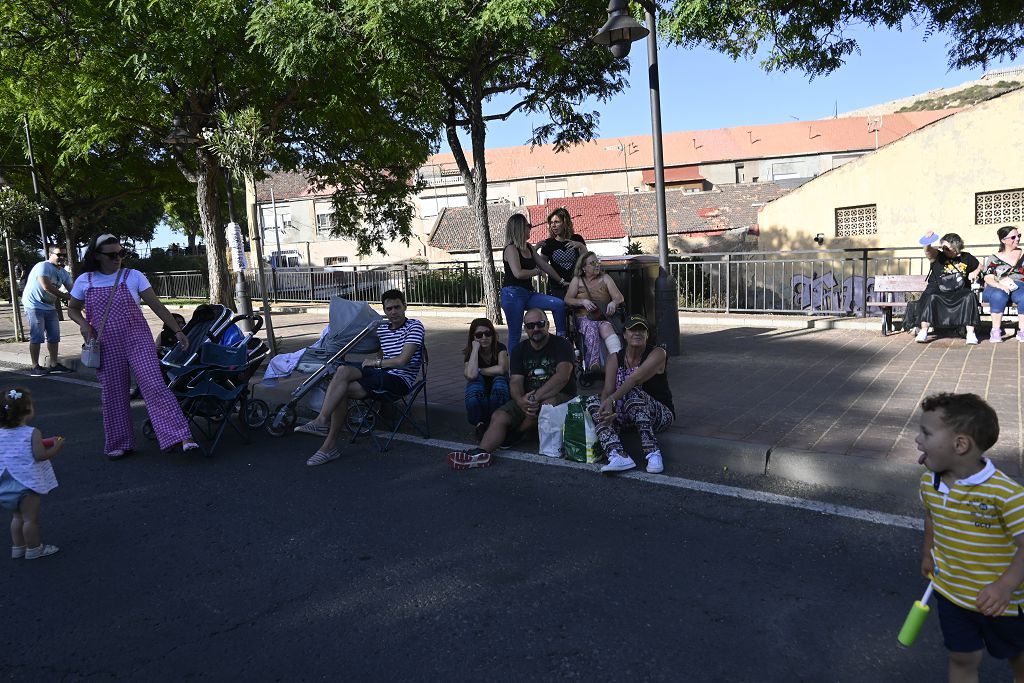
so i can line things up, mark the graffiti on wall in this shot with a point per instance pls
(826, 293)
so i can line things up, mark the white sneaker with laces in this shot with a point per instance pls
(618, 463)
(996, 336)
(972, 338)
(921, 337)
(654, 464)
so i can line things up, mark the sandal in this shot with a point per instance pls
(321, 457)
(187, 446)
(312, 428)
(466, 460)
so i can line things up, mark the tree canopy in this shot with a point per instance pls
(813, 36)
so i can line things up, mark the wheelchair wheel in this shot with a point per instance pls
(361, 418)
(256, 413)
(282, 421)
(148, 431)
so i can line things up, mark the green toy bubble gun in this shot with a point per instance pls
(915, 620)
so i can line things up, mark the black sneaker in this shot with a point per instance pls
(60, 368)
(512, 439)
(38, 372)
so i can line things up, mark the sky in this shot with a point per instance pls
(703, 90)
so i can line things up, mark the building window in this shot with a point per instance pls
(577, 194)
(335, 260)
(324, 218)
(741, 174)
(521, 201)
(1003, 206)
(857, 220)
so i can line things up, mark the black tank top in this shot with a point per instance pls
(656, 386)
(525, 263)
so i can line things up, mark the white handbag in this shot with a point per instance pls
(91, 355)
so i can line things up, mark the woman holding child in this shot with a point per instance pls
(635, 393)
(948, 301)
(486, 372)
(1003, 274)
(599, 299)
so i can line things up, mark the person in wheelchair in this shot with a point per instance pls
(597, 299)
(395, 371)
(541, 370)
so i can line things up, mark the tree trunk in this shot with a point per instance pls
(216, 242)
(191, 248)
(475, 182)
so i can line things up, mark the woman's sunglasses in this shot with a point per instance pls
(1012, 237)
(481, 335)
(124, 253)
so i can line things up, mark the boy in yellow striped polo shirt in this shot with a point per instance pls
(973, 535)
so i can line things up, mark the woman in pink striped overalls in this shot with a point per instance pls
(126, 343)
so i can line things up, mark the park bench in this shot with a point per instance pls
(891, 285)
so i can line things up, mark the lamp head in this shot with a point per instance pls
(820, 238)
(621, 30)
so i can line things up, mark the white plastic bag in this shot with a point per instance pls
(549, 428)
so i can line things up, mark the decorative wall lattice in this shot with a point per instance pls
(995, 208)
(857, 220)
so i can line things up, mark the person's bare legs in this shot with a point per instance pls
(997, 321)
(337, 391)
(354, 390)
(29, 512)
(963, 666)
(17, 535)
(33, 352)
(496, 432)
(1017, 664)
(52, 348)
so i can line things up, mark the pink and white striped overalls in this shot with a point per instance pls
(126, 343)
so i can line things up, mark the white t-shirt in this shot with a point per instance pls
(133, 279)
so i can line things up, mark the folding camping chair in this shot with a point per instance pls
(365, 414)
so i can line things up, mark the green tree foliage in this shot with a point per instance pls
(472, 63)
(812, 36)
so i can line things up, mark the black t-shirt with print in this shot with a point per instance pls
(537, 366)
(562, 256)
(950, 274)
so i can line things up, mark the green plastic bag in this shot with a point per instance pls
(579, 434)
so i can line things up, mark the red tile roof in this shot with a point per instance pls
(594, 217)
(724, 208)
(680, 174)
(689, 148)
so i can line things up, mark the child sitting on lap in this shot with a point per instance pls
(973, 535)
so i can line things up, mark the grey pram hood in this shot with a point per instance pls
(346, 320)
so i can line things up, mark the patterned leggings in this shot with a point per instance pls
(637, 409)
(593, 342)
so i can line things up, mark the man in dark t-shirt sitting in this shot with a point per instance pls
(541, 373)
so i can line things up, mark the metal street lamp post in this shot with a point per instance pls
(618, 34)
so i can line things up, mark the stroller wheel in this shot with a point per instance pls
(256, 413)
(148, 431)
(361, 418)
(282, 421)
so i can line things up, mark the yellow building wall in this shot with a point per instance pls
(925, 181)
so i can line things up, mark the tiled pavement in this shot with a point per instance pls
(847, 392)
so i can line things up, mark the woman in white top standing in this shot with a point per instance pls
(126, 343)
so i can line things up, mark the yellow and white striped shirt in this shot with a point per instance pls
(974, 525)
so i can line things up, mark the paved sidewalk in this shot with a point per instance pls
(840, 397)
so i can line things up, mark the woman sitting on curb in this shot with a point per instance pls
(635, 393)
(1003, 274)
(598, 298)
(486, 372)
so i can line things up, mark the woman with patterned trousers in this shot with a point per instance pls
(635, 393)
(126, 343)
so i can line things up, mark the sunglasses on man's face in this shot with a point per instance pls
(115, 254)
(535, 326)
(482, 334)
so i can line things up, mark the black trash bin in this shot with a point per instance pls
(635, 277)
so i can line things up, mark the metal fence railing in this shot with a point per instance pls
(823, 281)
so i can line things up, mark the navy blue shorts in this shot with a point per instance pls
(375, 379)
(965, 630)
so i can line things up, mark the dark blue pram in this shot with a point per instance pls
(211, 377)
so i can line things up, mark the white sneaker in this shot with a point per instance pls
(996, 336)
(618, 463)
(972, 338)
(654, 464)
(43, 550)
(1020, 335)
(921, 337)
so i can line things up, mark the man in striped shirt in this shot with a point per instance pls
(973, 535)
(395, 370)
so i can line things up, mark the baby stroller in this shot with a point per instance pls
(211, 377)
(352, 328)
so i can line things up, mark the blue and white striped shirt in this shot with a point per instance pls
(392, 342)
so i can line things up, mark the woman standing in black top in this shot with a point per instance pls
(562, 250)
(635, 393)
(517, 294)
(948, 301)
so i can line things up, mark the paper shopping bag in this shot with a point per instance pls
(579, 434)
(549, 428)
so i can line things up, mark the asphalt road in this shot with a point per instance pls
(251, 566)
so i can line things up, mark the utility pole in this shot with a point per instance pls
(35, 184)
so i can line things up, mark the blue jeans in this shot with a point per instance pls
(515, 301)
(481, 404)
(42, 323)
(998, 299)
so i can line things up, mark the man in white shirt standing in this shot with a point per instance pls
(41, 293)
